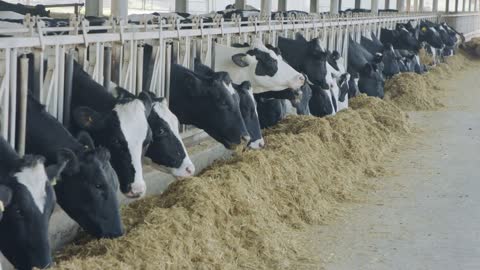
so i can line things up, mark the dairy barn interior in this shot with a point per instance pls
(216, 134)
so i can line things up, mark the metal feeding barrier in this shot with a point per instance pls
(114, 52)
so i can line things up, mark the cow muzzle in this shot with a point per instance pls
(297, 82)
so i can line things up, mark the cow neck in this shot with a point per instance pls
(7, 157)
(45, 135)
(87, 92)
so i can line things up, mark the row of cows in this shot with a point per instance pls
(251, 87)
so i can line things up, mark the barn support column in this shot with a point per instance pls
(181, 6)
(120, 9)
(358, 3)
(464, 5)
(314, 6)
(447, 6)
(240, 4)
(387, 4)
(409, 5)
(421, 5)
(435, 6)
(94, 8)
(282, 5)
(374, 7)
(266, 7)
(334, 6)
(401, 5)
(456, 5)
(475, 8)
(415, 5)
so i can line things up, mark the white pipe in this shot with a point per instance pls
(22, 128)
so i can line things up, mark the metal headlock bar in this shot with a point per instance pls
(115, 51)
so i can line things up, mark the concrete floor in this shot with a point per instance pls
(427, 215)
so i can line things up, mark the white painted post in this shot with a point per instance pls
(120, 9)
(421, 5)
(401, 5)
(334, 6)
(22, 128)
(374, 7)
(435, 6)
(387, 4)
(447, 6)
(314, 6)
(266, 7)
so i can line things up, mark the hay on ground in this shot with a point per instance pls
(243, 213)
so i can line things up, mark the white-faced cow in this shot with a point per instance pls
(248, 106)
(87, 191)
(119, 124)
(265, 70)
(28, 201)
(207, 103)
(167, 149)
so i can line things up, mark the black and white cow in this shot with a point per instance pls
(208, 103)
(400, 39)
(265, 70)
(305, 56)
(167, 149)
(321, 103)
(270, 111)
(370, 80)
(248, 106)
(119, 124)
(389, 59)
(28, 201)
(87, 191)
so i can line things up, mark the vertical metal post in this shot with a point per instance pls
(456, 5)
(447, 6)
(374, 7)
(266, 7)
(358, 3)
(139, 69)
(282, 5)
(37, 73)
(464, 5)
(181, 5)
(120, 9)
(107, 67)
(435, 6)
(93, 7)
(13, 96)
(68, 88)
(22, 123)
(334, 6)
(387, 4)
(240, 4)
(420, 5)
(168, 66)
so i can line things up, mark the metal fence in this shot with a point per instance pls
(117, 53)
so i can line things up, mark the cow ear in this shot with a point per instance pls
(103, 154)
(240, 59)
(147, 102)
(299, 37)
(122, 93)
(201, 68)
(87, 118)
(5, 197)
(86, 140)
(67, 162)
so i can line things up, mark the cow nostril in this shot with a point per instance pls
(189, 171)
(301, 78)
(262, 144)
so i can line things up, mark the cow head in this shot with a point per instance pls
(125, 132)
(407, 40)
(5, 198)
(429, 35)
(210, 103)
(353, 86)
(302, 105)
(87, 191)
(371, 82)
(343, 86)
(270, 111)
(248, 108)
(24, 226)
(267, 70)
(167, 149)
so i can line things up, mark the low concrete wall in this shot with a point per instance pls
(63, 229)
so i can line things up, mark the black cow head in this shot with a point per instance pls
(167, 149)
(321, 102)
(270, 111)
(208, 102)
(314, 65)
(302, 105)
(24, 226)
(248, 108)
(343, 86)
(430, 35)
(125, 132)
(371, 82)
(87, 191)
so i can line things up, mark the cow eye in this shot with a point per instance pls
(98, 186)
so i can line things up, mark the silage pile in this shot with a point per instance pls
(473, 47)
(244, 213)
(411, 91)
